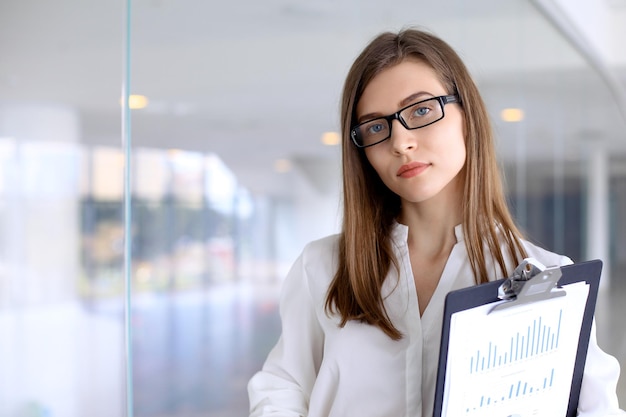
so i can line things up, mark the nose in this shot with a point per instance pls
(402, 139)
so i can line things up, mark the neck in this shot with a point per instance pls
(431, 223)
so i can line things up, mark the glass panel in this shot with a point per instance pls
(61, 328)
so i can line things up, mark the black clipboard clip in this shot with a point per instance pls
(531, 281)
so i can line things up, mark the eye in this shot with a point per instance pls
(375, 128)
(421, 111)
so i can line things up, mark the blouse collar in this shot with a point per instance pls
(400, 232)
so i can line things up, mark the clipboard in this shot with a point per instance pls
(523, 287)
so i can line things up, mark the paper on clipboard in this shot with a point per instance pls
(517, 361)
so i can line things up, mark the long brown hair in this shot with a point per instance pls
(370, 208)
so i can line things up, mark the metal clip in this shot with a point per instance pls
(531, 281)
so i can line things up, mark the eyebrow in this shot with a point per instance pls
(405, 102)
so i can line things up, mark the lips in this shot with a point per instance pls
(412, 169)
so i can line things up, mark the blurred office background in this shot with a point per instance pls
(227, 164)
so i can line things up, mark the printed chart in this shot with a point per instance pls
(538, 339)
(517, 390)
(517, 361)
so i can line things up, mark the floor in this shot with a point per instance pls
(192, 356)
(207, 345)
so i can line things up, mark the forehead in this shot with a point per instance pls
(386, 90)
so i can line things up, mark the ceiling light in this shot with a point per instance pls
(173, 152)
(512, 115)
(331, 138)
(282, 165)
(136, 101)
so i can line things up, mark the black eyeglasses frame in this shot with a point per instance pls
(443, 100)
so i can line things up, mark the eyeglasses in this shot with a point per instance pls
(413, 116)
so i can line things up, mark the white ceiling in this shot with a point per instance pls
(255, 81)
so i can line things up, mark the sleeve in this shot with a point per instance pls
(598, 396)
(283, 386)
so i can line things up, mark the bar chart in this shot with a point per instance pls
(516, 390)
(519, 357)
(540, 337)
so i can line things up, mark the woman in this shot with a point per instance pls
(424, 214)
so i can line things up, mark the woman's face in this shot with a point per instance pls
(416, 164)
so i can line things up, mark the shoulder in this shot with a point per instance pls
(317, 264)
(321, 249)
(545, 256)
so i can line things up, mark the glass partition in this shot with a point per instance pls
(61, 327)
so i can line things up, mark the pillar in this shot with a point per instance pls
(597, 221)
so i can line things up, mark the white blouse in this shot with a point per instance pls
(319, 369)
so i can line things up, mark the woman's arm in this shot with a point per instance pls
(598, 396)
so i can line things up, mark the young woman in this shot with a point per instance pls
(424, 214)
